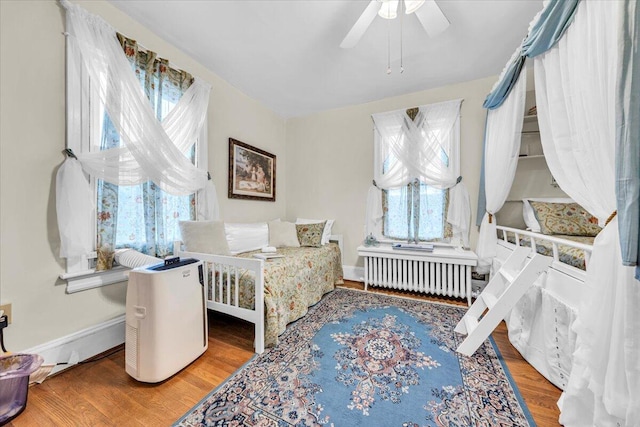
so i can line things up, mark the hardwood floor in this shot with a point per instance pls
(100, 393)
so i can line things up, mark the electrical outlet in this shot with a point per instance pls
(7, 311)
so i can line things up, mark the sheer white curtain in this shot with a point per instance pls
(426, 148)
(502, 147)
(576, 96)
(153, 150)
(73, 207)
(182, 126)
(149, 152)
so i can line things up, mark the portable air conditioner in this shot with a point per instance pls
(166, 319)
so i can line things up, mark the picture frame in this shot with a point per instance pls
(252, 172)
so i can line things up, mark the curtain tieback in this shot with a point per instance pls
(613, 215)
(490, 217)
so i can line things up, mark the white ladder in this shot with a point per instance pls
(502, 292)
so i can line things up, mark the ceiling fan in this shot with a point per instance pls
(427, 11)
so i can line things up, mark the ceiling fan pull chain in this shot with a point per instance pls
(388, 46)
(401, 14)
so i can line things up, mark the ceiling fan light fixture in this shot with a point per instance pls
(388, 9)
(411, 6)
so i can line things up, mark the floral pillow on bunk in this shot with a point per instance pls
(569, 219)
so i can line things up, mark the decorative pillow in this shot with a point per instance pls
(204, 236)
(283, 234)
(565, 218)
(246, 237)
(530, 217)
(326, 233)
(310, 234)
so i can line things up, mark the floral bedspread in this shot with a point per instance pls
(566, 254)
(291, 285)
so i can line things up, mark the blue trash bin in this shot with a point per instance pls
(14, 383)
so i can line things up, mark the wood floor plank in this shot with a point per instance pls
(101, 393)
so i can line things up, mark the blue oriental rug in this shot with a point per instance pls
(365, 359)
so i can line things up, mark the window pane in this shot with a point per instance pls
(395, 218)
(431, 219)
(430, 215)
(142, 217)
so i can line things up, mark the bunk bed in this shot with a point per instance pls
(540, 324)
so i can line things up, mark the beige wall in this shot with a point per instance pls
(325, 163)
(330, 158)
(32, 135)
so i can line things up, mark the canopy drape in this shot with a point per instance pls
(544, 32)
(628, 135)
(587, 98)
(502, 147)
(546, 28)
(576, 92)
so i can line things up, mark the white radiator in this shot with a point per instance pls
(446, 271)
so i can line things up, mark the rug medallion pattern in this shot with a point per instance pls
(364, 359)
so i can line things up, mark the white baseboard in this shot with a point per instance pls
(97, 339)
(351, 272)
(81, 345)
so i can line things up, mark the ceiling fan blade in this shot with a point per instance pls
(432, 18)
(361, 25)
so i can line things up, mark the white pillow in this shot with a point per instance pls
(530, 217)
(326, 233)
(246, 237)
(283, 234)
(206, 237)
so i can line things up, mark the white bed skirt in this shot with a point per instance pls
(540, 324)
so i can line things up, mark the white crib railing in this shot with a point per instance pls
(445, 271)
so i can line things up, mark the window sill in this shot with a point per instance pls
(388, 241)
(91, 279)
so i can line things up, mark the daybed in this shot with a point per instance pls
(540, 323)
(267, 292)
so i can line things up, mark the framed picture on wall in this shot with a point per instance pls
(252, 172)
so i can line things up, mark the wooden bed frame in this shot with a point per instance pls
(229, 270)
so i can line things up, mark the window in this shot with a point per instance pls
(141, 217)
(416, 160)
(415, 209)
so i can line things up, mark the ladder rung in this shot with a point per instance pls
(510, 276)
(489, 299)
(470, 323)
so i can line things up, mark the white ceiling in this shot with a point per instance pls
(286, 53)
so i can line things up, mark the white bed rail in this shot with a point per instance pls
(554, 241)
(223, 296)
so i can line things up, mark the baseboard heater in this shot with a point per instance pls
(445, 271)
